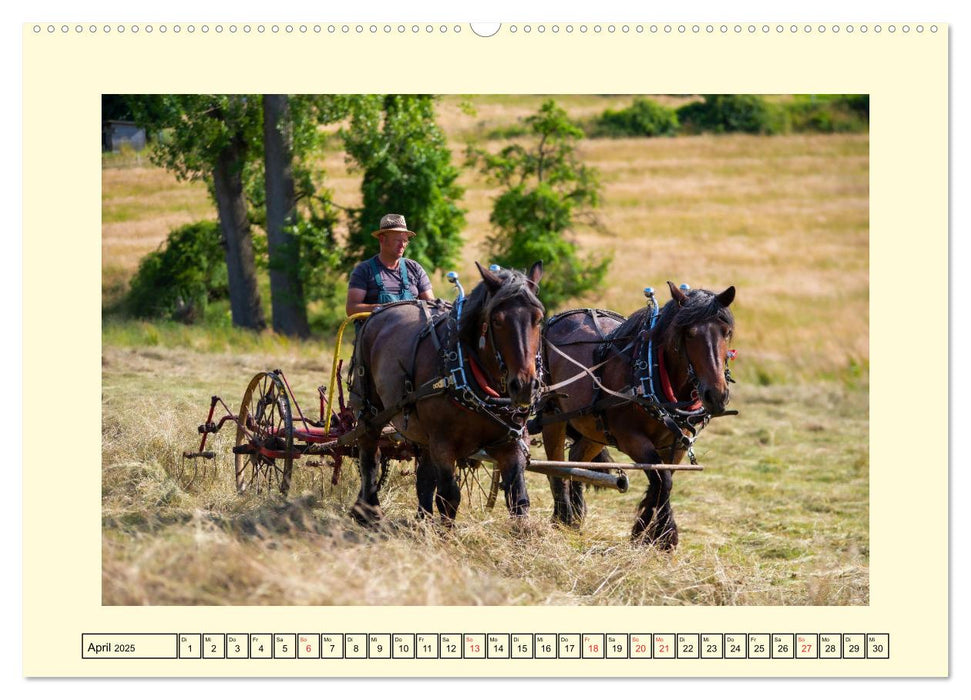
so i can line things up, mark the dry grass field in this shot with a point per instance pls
(779, 516)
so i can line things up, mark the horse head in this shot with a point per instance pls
(505, 322)
(701, 329)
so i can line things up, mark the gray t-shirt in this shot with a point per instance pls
(362, 277)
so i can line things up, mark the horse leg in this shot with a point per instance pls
(511, 459)
(442, 466)
(584, 450)
(426, 482)
(553, 436)
(366, 510)
(665, 529)
(654, 520)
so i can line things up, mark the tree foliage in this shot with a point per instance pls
(392, 139)
(197, 128)
(406, 164)
(547, 194)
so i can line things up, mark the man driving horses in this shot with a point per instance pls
(388, 276)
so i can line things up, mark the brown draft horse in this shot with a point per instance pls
(463, 383)
(688, 349)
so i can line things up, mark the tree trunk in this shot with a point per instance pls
(244, 296)
(289, 308)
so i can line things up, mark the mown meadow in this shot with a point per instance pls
(778, 517)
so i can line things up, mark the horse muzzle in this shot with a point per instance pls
(714, 400)
(523, 393)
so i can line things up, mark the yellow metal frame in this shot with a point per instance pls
(333, 367)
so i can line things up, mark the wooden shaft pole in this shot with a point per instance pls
(617, 465)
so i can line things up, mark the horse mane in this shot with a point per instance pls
(701, 305)
(480, 302)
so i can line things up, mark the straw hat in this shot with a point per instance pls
(393, 222)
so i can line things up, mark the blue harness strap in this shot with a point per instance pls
(384, 296)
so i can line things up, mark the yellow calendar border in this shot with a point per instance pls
(64, 74)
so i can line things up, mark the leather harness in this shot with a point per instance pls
(456, 365)
(684, 420)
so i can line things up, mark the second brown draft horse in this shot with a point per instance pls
(645, 384)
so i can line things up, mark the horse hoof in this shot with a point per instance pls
(523, 526)
(664, 543)
(366, 515)
(570, 524)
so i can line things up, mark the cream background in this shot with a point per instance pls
(906, 75)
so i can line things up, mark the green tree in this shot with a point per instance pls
(407, 169)
(258, 156)
(547, 193)
(210, 138)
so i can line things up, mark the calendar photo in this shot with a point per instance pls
(745, 367)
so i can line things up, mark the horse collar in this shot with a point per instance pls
(666, 382)
(478, 373)
(503, 370)
(476, 396)
(653, 378)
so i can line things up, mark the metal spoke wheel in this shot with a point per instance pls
(264, 436)
(479, 483)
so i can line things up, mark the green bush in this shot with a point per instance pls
(830, 113)
(720, 114)
(643, 118)
(507, 131)
(858, 104)
(178, 280)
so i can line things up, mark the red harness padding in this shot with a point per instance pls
(480, 379)
(666, 384)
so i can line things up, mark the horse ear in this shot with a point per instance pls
(490, 278)
(535, 274)
(677, 294)
(726, 297)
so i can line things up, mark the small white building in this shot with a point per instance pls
(115, 133)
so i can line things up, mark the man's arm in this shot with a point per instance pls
(424, 285)
(355, 302)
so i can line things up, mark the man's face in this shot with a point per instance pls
(394, 243)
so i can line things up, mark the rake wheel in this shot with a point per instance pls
(264, 436)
